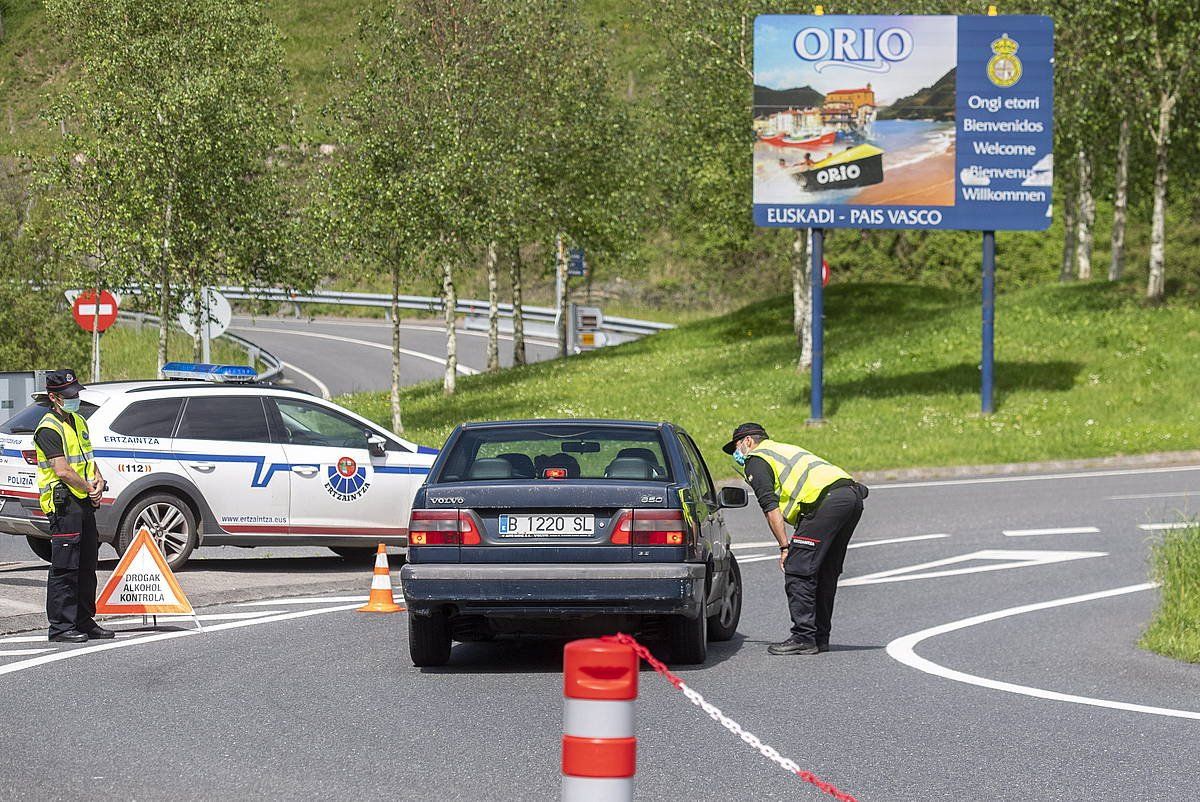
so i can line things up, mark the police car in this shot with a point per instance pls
(209, 457)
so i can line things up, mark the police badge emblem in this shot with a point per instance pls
(1004, 68)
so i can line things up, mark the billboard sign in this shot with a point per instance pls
(932, 122)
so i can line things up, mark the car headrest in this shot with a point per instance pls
(647, 455)
(629, 468)
(522, 465)
(494, 468)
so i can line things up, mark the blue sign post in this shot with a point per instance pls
(576, 262)
(894, 122)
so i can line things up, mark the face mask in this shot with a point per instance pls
(70, 404)
(739, 457)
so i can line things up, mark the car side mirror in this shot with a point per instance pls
(732, 497)
(376, 444)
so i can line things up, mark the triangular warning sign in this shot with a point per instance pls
(142, 583)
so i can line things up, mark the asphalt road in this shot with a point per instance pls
(335, 356)
(309, 700)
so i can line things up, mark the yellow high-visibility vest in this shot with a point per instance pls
(77, 448)
(800, 475)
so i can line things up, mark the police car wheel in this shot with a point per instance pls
(170, 522)
(41, 547)
(724, 624)
(354, 554)
(429, 639)
(687, 639)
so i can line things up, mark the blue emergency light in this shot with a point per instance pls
(197, 371)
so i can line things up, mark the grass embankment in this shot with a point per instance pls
(1175, 629)
(129, 352)
(1082, 371)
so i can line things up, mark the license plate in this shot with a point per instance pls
(547, 525)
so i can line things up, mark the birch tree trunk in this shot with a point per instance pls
(164, 309)
(1067, 272)
(1162, 136)
(518, 307)
(1087, 218)
(397, 422)
(1116, 264)
(493, 345)
(802, 299)
(560, 302)
(450, 308)
(197, 338)
(164, 286)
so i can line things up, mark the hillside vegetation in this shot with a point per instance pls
(1082, 371)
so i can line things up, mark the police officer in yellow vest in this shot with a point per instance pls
(821, 504)
(70, 486)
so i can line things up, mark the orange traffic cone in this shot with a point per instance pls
(381, 600)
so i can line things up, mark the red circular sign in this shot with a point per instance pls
(86, 314)
(347, 467)
(824, 273)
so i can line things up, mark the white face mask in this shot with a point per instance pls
(70, 404)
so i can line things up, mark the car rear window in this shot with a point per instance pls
(240, 419)
(555, 453)
(151, 418)
(26, 421)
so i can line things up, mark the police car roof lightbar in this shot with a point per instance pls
(195, 371)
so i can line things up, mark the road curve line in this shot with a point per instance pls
(463, 369)
(859, 545)
(1166, 527)
(321, 386)
(1033, 477)
(20, 665)
(903, 650)
(1065, 530)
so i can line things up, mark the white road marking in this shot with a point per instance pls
(903, 650)
(853, 545)
(410, 327)
(1066, 530)
(1154, 495)
(311, 600)
(203, 617)
(20, 665)
(24, 639)
(1004, 559)
(1033, 478)
(463, 369)
(22, 652)
(322, 388)
(758, 558)
(1161, 527)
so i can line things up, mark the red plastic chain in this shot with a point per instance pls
(644, 653)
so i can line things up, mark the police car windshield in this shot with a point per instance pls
(546, 453)
(26, 421)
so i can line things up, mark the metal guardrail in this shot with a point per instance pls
(423, 303)
(255, 353)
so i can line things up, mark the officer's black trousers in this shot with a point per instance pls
(71, 586)
(814, 562)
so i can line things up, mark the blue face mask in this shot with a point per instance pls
(70, 404)
(739, 458)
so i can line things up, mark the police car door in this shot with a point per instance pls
(339, 497)
(225, 447)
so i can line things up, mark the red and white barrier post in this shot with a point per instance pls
(599, 750)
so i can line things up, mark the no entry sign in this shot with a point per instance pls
(84, 310)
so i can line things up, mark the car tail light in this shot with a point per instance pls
(650, 528)
(30, 457)
(443, 528)
(554, 473)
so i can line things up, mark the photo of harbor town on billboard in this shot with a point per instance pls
(854, 110)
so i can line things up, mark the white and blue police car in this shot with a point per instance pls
(209, 456)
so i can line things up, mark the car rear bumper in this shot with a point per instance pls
(556, 589)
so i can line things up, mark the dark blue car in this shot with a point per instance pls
(570, 527)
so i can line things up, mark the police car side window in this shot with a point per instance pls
(701, 470)
(152, 418)
(241, 419)
(309, 424)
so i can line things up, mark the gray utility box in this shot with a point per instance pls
(16, 390)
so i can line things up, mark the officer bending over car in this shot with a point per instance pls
(822, 503)
(70, 487)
